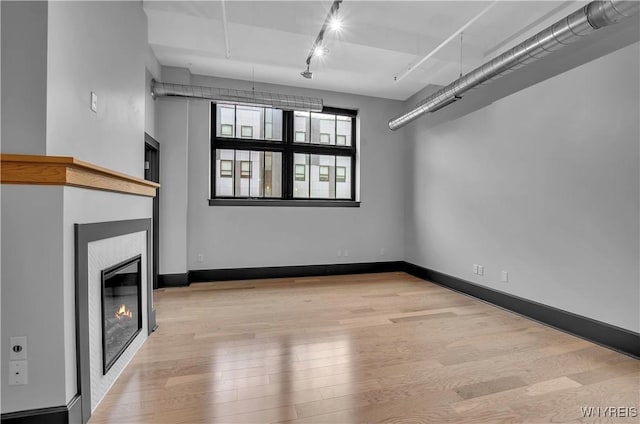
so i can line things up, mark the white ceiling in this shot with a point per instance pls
(270, 40)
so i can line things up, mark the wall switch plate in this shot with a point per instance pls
(475, 268)
(94, 102)
(18, 348)
(17, 373)
(505, 277)
(480, 270)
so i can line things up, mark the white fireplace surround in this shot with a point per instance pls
(103, 254)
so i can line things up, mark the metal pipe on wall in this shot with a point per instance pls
(228, 95)
(580, 23)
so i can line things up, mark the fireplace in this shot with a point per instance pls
(121, 309)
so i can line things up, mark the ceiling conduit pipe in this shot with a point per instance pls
(227, 95)
(580, 23)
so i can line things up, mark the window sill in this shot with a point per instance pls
(287, 202)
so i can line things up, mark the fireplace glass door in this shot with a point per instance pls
(121, 308)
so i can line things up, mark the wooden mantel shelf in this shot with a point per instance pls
(65, 170)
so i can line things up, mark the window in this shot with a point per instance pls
(323, 173)
(325, 138)
(245, 169)
(268, 124)
(285, 157)
(301, 172)
(227, 130)
(226, 169)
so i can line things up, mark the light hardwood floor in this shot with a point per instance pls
(359, 349)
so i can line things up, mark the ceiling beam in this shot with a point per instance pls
(411, 68)
(225, 25)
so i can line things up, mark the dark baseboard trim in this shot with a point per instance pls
(203, 275)
(173, 280)
(616, 338)
(69, 414)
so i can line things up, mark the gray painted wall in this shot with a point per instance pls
(544, 184)
(24, 76)
(149, 107)
(173, 130)
(230, 237)
(153, 71)
(32, 295)
(92, 46)
(99, 47)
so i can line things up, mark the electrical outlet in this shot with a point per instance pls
(346, 252)
(382, 251)
(94, 102)
(505, 277)
(480, 270)
(200, 257)
(18, 346)
(339, 253)
(17, 373)
(475, 268)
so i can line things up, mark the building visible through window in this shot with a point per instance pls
(301, 171)
(226, 169)
(245, 169)
(261, 152)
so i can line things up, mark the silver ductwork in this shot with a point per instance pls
(226, 95)
(580, 23)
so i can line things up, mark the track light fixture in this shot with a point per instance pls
(319, 51)
(307, 74)
(333, 22)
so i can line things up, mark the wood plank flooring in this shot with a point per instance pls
(365, 348)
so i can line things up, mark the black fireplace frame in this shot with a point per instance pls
(104, 275)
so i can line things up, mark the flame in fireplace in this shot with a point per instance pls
(123, 312)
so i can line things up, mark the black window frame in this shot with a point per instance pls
(288, 147)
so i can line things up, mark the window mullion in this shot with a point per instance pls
(335, 177)
(354, 153)
(213, 150)
(234, 173)
(287, 172)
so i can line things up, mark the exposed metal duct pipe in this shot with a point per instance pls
(580, 23)
(280, 101)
